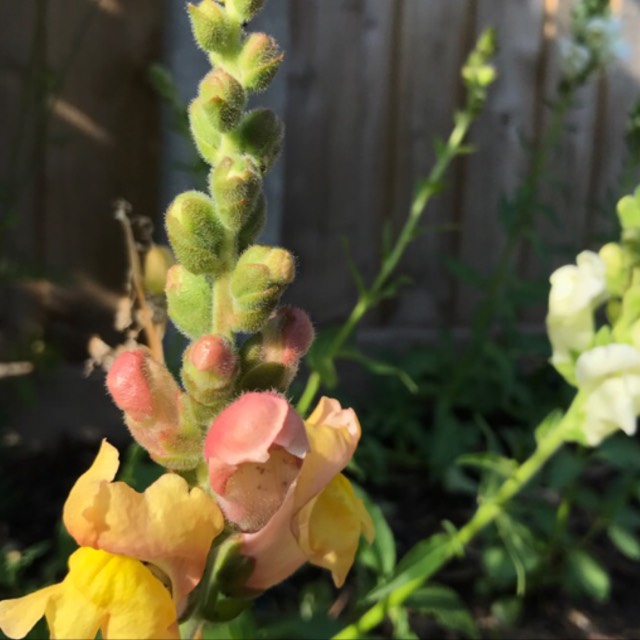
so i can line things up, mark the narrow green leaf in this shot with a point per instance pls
(585, 574)
(446, 607)
(379, 367)
(418, 564)
(625, 540)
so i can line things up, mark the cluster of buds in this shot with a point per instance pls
(595, 41)
(222, 284)
(243, 461)
(603, 362)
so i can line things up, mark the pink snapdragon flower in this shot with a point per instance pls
(277, 478)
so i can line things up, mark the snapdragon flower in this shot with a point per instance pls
(278, 479)
(140, 556)
(576, 291)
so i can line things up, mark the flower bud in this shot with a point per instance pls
(211, 28)
(203, 130)
(157, 262)
(189, 301)
(196, 236)
(146, 392)
(235, 185)
(253, 225)
(223, 99)
(259, 134)
(209, 368)
(258, 61)
(244, 10)
(270, 360)
(257, 283)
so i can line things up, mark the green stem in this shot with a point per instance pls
(222, 304)
(370, 298)
(487, 512)
(525, 213)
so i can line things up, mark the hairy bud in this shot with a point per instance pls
(253, 224)
(236, 185)
(209, 368)
(189, 301)
(258, 61)
(259, 134)
(257, 282)
(148, 395)
(244, 10)
(223, 99)
(196, 236)
(203, 131)
(211, 27)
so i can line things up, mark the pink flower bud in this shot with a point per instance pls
(148, 395)
(287, 336)
(209, 368)
(254, 451)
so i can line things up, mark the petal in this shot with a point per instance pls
(330, 527)
(246, 431)
(116, 594)
(19, 615)
(168, 525)
(333, 435)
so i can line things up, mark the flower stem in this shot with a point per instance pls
(368, 299)
(486, 513)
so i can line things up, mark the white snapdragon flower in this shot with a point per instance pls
(576, 290)
(610, 376)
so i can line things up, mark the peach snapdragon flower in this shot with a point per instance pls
(140, 556)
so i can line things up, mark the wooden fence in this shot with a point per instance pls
(368, 85)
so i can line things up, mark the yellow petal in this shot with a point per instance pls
(19, 615)
(119, 595)
(116, 595)
(168, 525)
(333, 434)
(330, 528)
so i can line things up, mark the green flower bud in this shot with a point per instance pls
(260, 135)
(253, 225)
(157, 262)
(244, 10)
(212, 29)
(189, 301)
(258, 61)
(235, 185)
(223, 99)
(197, 238)
(203, 130)
(257, 282)
(209, 369)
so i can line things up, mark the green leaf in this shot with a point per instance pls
(353, 269)
(381, 555)
(490, 462)
(625, 541)
(620, 451)
(421, 561)
(446, 607)
(379, 367)
(586, 575)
